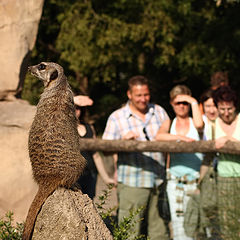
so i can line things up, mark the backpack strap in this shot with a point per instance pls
(213, 129)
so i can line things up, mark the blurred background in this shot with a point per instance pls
(102, 43)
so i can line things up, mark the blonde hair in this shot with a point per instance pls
(179, 89)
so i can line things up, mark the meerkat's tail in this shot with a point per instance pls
(41, 196)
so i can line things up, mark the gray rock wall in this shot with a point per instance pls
(19, 21)
(17, 188)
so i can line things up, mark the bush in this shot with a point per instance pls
(8, 231)
(123, 230)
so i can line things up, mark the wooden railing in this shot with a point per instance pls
(157, 146)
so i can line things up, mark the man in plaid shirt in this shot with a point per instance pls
(139, 174)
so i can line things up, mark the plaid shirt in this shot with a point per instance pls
(137, 169)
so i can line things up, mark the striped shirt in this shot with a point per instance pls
(137, 169)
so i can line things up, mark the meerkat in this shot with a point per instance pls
(53, 143)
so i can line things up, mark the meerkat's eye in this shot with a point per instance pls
(41, 67)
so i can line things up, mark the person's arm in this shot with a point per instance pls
(163, 132)
(100, 165)
(101, 169)
(202, 173)
(196, 112)
(130, 136)
(220, 142)
(82, 100)
(197, 116)
(111, 132)
(115, 176)
(206, 163)
(164, 135)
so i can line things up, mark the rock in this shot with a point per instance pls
(18, 30)
(69, 214)
(17, 188)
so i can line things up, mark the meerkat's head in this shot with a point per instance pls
(48, 72)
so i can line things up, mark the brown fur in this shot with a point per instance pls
(53, 139)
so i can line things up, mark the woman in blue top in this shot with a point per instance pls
(184, 167)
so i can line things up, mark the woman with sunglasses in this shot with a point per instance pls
(184, 168)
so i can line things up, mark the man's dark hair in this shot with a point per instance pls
(137, 80)
(224, 94)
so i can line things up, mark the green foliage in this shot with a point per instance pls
(108, 39)
(101, 44)
(102, 201)
(123, 231)
(118, 37)
(33, 87)
(8, 231)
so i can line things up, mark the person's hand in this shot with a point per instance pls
(130, 136)
(185, 139)
(219, 143)
(185, 98)
(115, 177)
(82, 100)
(110, 181)
(197, 191)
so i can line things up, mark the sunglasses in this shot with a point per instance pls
(183, 103)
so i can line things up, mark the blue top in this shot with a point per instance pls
(185, 163)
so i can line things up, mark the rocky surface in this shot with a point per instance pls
(19, 21)
(17, 188)
(69, 214)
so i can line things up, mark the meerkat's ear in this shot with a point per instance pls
(54, 75)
